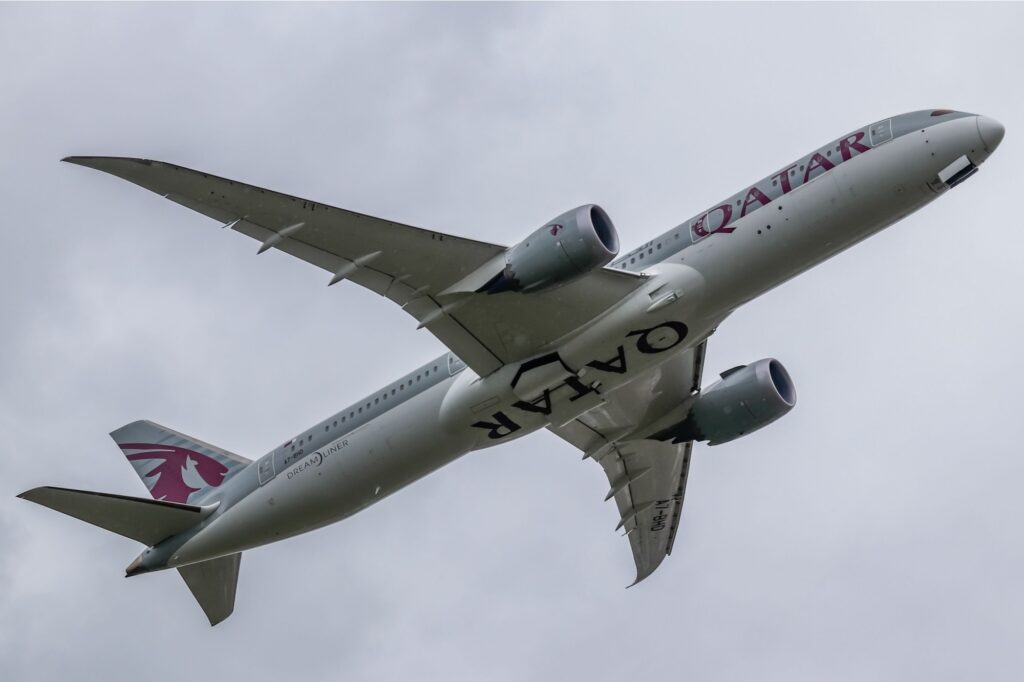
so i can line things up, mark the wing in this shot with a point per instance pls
(410, 266)
(647, 477)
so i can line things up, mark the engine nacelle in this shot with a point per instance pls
(746, 399)
(567, 247)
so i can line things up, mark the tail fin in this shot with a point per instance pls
(213, 585)
(175, 467)
(148, 521)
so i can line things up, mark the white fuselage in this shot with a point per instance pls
(688, 292)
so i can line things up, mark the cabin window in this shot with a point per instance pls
(376, 401)
(326, 428)
(392, 392)
(360, 410)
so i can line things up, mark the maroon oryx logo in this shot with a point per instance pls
(554, 229)
(171, 464)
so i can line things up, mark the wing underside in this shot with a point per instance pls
(411, 266)
(647, 478)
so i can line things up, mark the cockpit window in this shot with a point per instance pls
(942, 112)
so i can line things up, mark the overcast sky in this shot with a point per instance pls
(874, 533)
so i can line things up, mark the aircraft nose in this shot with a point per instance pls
(991, 132)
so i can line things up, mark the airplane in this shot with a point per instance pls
(557, 331)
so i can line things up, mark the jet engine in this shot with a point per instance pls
(746, 399)
(565, 248)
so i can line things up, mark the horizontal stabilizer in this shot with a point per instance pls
(213, 585)
(148, 521)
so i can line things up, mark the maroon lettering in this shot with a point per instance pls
(852, 142)
(817, 161)
(726, 210)
(754, 194)
(783, 178)
(700, 226)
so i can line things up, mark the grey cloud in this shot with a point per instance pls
(870, 534)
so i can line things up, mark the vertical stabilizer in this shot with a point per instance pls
(213, 585)
(175, 467)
